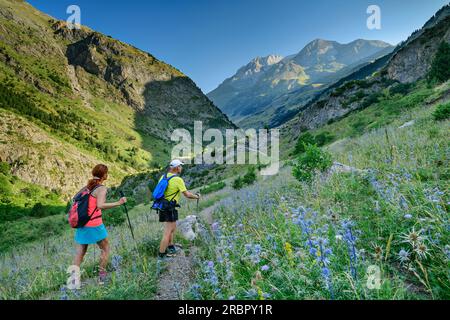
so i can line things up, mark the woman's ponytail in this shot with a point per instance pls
(99, 174)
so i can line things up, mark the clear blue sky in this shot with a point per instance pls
(210, 39)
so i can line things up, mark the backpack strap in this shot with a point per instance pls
(176, 193)
(170, 178)
(96, 208)
(95, 188)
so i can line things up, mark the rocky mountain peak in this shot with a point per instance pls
(258, 64)
(321, 51)
(271, 59)
(265, 82)
(409, 62)
(316, 47)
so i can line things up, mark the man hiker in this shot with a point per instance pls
(175, 188)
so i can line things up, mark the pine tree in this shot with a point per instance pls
(440, 68)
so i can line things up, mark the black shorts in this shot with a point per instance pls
(168, 216)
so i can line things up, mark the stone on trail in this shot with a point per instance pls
(408, 124)
(186, 227)
(339, 167)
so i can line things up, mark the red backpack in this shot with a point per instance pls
(78, 215)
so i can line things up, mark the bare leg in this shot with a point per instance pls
(104, 256)
(167, 236)
(79, 256)
(171, 243)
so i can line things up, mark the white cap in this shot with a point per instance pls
(176, 163)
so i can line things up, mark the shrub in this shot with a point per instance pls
(401, 88)
(238, 183)
(250, 177)
(114, 217)
(213, 188)
(5, 168)
(440, 67)
(31, 192)
(38, 211)
(304, 140)
(442, 112)
(323, 138)
(360, 95)
(370, 100)
(307, 138)
(320, 104)
(314, 159)
(358, 126)
(5, 186)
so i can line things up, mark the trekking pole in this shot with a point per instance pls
(197, 203)
(128, 217)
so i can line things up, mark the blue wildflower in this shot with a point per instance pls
(350, 239)
(116, 262)
(251, 294)
(195, 291)
(267, 295)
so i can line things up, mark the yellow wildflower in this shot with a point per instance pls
(289, 251)
(261, 294)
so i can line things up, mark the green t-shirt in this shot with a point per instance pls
(175, 184)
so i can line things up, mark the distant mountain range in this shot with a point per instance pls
(257, 93)
(409, 62)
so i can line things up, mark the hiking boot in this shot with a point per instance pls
(172, 251)
(165, 256)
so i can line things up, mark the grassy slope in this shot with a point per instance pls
(36, 96)
(411, 164)
(38, 270)
(114, 124)
(421, 150)
(390, 108)
(407, 191)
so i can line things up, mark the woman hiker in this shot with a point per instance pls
(94, 232)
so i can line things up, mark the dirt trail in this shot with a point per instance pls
(207, 214)
(176, 273)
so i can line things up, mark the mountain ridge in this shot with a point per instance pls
(319, 59)
(409, 62)
(81, 89)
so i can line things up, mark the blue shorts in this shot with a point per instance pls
(91, 235)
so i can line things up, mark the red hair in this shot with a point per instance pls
(99, 174)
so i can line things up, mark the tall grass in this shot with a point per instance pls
(283, 239)
(38, 271)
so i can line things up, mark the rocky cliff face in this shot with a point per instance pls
(410, 62)
(164, 97)
(36, 157)
(244, 79)
(125, 68)
(260, 92)
(249, 74)
(89, 99)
